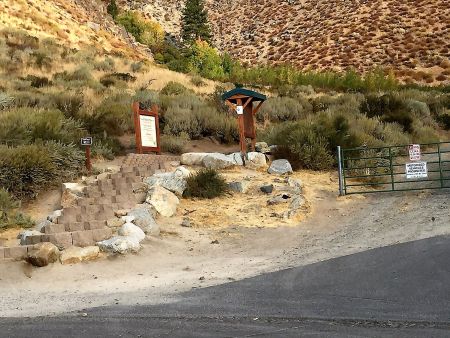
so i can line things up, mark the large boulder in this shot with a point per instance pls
(255, 160)
(164, 201)
(280, 167)
(143, 218)
(174, 182)
(74, 254)
(43, 254)
(192, 158)
(218, 161)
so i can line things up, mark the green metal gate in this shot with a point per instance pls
(395, 168)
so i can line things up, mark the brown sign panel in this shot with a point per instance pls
(146, 126)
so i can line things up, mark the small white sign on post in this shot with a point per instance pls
(416, 170)
(414, 152)
(240, 110)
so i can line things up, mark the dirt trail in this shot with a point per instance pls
(177, 260)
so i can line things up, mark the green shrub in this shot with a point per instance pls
(144, 31)
(114, 79)
(25, 170)
(174, 88)
(279, 109)
(5, 101)
(102, 150)
(7, 203)
(444, 119)
(9, 217)
(190, 114)
(105, 65)
(206, 183)
(26, 125)
(197, 80)
(174, 144)
(112, 116)
(137, 66)
(38, 81)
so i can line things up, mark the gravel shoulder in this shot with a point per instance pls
(184, 258)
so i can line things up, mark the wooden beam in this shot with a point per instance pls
(247, 102)
(257, 107)
(232, 107)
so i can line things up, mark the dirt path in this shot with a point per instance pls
(185, 258)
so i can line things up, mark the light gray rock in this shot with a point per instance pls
(143, 218)
(120, 245)
(129, 240)
(164, 201)
(27, 233)
(40, 226)
(53, 217)
(267, 189)
(218, 161)
(255, 160)
(131, 230)
(128, 218)
(239, 186)
(262, 147)
(280, 167)
(280, 199)
(74, 188)
(186, 223)
(236, 158)
(174, 182)
(192, 158)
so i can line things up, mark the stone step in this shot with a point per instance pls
(107, 200)
(87, 213)
(15, 252)
(75, 226)
(75, 238)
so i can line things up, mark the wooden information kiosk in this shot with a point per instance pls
(240, 101)
(146, 125)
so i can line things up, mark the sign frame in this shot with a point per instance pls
(86, 141)
(137, 113)
(416, 175)
(415, 153)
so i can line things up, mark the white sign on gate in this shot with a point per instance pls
(414, 152)
(416, 170)
(240, 110)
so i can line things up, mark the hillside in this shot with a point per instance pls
(76, 24)
(412, 37)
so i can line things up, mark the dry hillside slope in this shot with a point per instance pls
(412, 37)
(73, 23)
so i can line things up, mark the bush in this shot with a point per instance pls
(144, 31)
(206, 61)
(280, 109)
(112, 116)
(25, 170)
(115, 78)
(206, 183)
(38, 81)
(174, 88)
(137, 66)
(26, 125)
(9, 217)
(174, 144)
(106, 65)
(444, 119)
(5, 101)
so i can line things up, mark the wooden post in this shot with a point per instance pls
(88, 158)
(137, 128)
(241, 131)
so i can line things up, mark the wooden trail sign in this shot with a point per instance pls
(240, 101)
(146, 125)
(87, 142)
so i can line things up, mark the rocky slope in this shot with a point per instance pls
(412, 37)
(74, 23)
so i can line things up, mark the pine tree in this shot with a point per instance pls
(195, 22)
(112, 9)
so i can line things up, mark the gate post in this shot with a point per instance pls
(341, 185)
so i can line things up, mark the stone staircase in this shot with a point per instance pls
(85, 223)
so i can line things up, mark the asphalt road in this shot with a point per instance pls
(396, 291)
